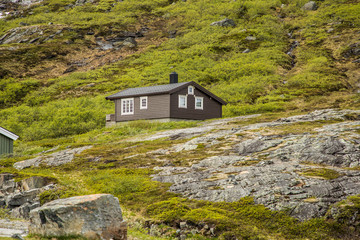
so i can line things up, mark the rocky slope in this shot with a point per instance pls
(304, 165)
(304, 171)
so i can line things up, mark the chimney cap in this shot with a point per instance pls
(173, 77)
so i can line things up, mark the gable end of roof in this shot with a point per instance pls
(202, 89)
(161, 89)
(8, 134)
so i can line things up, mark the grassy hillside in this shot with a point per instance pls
(40, 100)
(278, 58)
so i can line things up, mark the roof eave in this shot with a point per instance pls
(136, 95)
(8, 134)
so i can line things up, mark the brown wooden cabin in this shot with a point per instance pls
(174, 101)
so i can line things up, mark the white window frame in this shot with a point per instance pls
(131, 101)
(185, 97)
(202, 103)
(141, 100)
(191, 90)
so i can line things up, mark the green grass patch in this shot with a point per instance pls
(322, 173)
(297, 128)
(242, 219)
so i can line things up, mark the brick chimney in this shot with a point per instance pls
(173, 77)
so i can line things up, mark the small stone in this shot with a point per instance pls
(246, 51)
(183, 225)
(17, 236)
(34, 40)
(130, 42)
(310, 6)
(250, 38)
(172, 33)
(224, 23)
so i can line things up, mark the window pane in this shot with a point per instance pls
(182, 101)
(131, 105)
(199, 103)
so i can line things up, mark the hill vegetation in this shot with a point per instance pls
(294, 59)
(278, 59)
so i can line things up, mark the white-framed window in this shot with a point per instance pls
(182, 101)
(127, 106)
(199, 103)
(143, 102)
(191, 90)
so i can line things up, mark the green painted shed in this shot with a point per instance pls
(7, 139)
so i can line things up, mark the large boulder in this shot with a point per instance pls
(95, 216)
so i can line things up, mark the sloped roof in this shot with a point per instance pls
(161, 89)
(8, 134)
(152, 90)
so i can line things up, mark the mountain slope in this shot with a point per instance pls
(278, 57)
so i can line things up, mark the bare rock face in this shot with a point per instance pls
(95, 216)
(34, 182)
(271, 166)
(55, 159)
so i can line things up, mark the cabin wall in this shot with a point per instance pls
(211, 108)
(158, 107)
(6, 145)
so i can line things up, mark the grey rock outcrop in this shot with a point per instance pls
(96, 216)
(21, 197)
(55, 159)
(10, 228)
(224, 23)
(18, 199)
(270, 166)
(33, 183)
(256, 145)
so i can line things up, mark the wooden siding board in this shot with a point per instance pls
(6, 145)
(211, 108)
(158, 107)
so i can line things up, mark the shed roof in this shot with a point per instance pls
(161, 89)
(8, 134)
